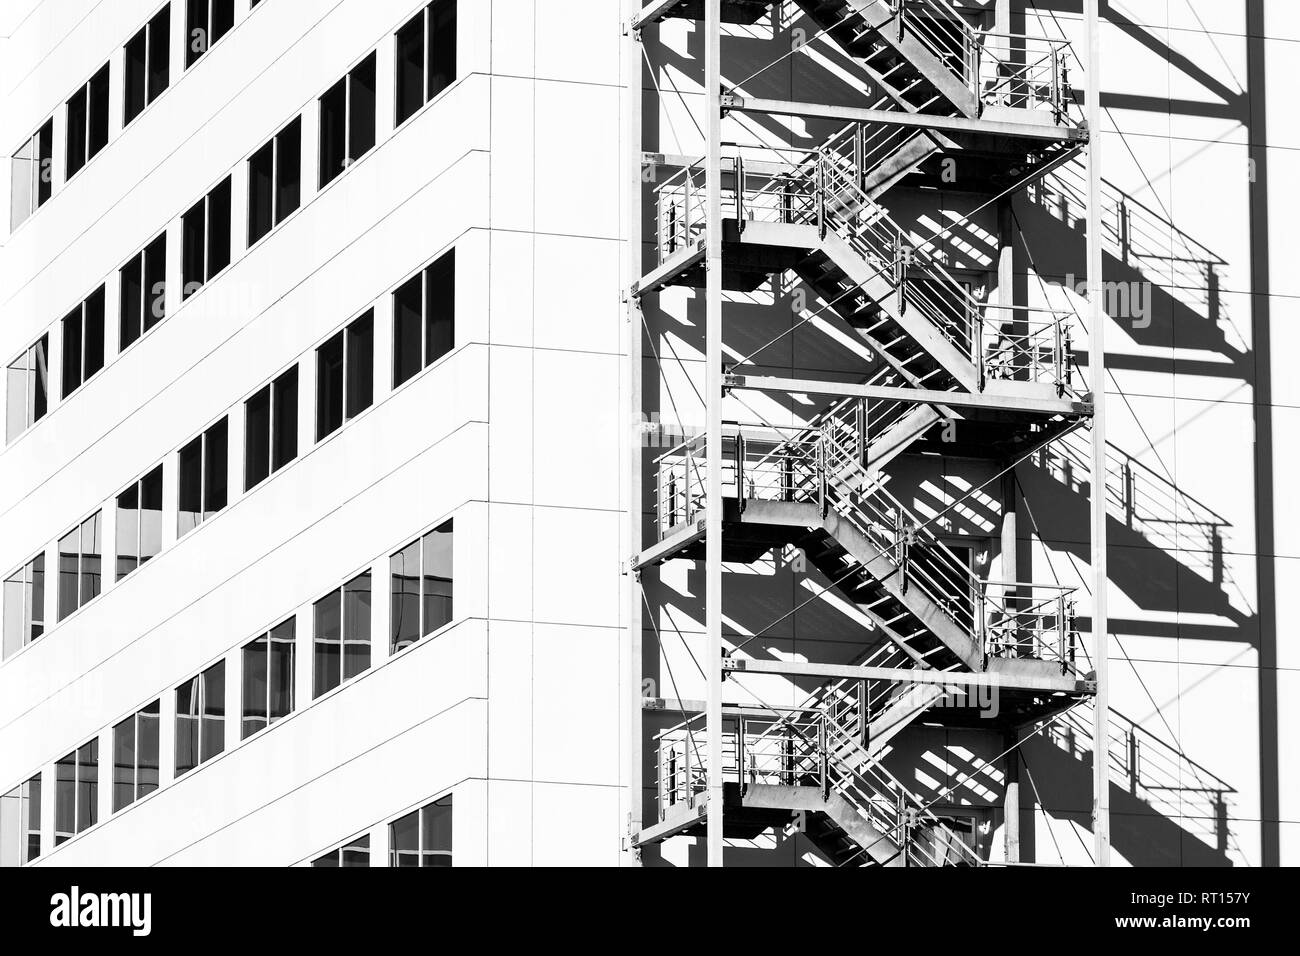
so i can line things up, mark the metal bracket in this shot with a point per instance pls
(732, 663)
(730, 101)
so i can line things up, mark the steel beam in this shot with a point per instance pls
(632, 256)
(652, 12)
(1097, 370)
(1046, 684)
(995, 400)
(952, 124)
(713, 425)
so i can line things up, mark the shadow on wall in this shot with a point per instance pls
(1162, 815)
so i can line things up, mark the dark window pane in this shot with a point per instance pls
(194, 231)
(435, 833)
(146, 747)
(90, 558)
(215, 468)
(255, 667)
(213, 740)
(356, 853)
(361, 364)
(87, 785)
(71, 351)
(155, 282)
(196, 30)
(280, 673)
(76, 132)
(65, 798)
(128, 531)
(437, 548)
(284, 403)
(33, 818)
(45, 162)
(329, 859)
(189, 486)
(410, 68)
(40, 378)
(151, 510)
(440, 335)
(404, 568)
(187, 725)
(134, 77)
(223, 18)
(407, 340)
(361, 110)
(123, 764)
(442, 45)
(159, 52)
(288, 169)
(333, 132)
(404, 838)
(326, 638)
(219, 228)
(257, 437)
(69, 561)
(93, 333)
(260, 213)
(356, 625)
(132, 301)
(329, 387)
(97, 132)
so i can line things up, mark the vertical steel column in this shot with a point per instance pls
(1011, 799)
(713, 422)
(632, 226)
(1097, 372)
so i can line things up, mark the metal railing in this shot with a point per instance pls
(825, 187)
(828, 463)
(797, 747)
(1025, 72)
(1017, 70)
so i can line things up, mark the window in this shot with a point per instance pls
(205, 239)
(424, 318)
(426, 57)
(345, 375)
(341, 635)
(274, 180)
(28, 388)
(79, 557)
(32, 175)
(356, 853)
(206, 22)
(347, 120)
(76, 792)
(135, 756)
(24, 605)
(20, 824)
(202, 478)
(201, 718)
(421, 587)
(143, 298)
(422, 837)
(271, 428)
(268, 678)
(139, 522)
(87, 122)
(83, 342)
(147, 64)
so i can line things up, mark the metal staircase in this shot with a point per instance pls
(810, 212)
(943, 348)
(822, 490)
